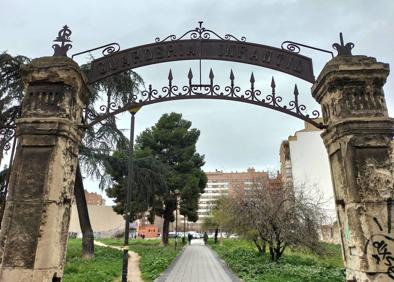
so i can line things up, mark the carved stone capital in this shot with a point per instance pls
(351, 87)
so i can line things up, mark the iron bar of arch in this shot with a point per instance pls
(126, 107)
(211, 91)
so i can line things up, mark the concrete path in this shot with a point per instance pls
(197, 263)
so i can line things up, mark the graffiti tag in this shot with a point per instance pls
(383, 244)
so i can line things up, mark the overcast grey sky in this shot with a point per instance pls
(234, 136)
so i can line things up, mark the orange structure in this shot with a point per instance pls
(148, 231)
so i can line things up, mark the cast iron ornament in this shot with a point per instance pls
(343, 49)
(200, 33)
(63, 37)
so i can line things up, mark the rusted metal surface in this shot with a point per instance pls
(63, 37)
(209, 90)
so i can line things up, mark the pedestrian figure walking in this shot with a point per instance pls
(205, 238)
(189, 238)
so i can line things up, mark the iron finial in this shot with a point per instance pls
(190, 74)
(63, 36)
(170, 75)
(252, 80)
(342, 48)
(273, 83)
(211, 76)
(231, 75)
(296, 90)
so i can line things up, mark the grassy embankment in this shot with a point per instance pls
(295, 266)
(107, 263)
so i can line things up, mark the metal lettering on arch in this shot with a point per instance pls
(210, 49)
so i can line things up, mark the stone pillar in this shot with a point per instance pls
(33, 237)
(358, 140)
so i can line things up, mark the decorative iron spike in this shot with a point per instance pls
(170, 75)
(342, 48)
(252, 80)
(231, 75)
(296, 91)
(63, 36)
(273, 83)
(211, 76)
(190, 74)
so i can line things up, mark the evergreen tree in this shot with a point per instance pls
(172, 141)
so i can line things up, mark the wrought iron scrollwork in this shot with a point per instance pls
(294, 47)
(63, 37)
(213, 91)
(6, 136)
(108, 49)
(7, 129)
(200, 33)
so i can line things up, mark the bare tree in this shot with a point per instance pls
(276, 217)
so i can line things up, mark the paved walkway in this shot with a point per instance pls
(197, 263)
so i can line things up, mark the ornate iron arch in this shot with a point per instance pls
(197, 44)
(201, 43)
(231, 92)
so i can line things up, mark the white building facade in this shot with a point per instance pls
(304, 162)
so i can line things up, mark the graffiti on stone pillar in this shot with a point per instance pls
(383, 243)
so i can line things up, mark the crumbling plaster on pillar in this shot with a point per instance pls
(354, 84)
(359, 142)
(57, 70)
(48, 130)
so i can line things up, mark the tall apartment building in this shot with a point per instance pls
(224, 183)
(304, 161)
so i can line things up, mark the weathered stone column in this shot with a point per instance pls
(358, 141)
(34, 230)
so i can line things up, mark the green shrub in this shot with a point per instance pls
(295, 266)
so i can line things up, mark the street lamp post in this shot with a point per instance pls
(184, 229)
(176, 217)
(129, 184)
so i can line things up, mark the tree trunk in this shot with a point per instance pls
(260, 247)
(272, 254)
(83, 215)
(216, 235)
(166, 228)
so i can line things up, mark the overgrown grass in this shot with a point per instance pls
(154, 257)
(105, 266)
(295, 266)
